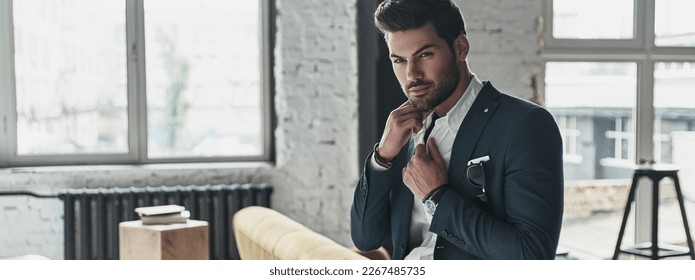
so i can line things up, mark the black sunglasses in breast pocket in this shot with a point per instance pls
(476, 176)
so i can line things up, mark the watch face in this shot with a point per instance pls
(430, 206)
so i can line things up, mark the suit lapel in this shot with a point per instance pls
(470, 130)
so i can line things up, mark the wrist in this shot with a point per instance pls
(383, 162)
(434, 194)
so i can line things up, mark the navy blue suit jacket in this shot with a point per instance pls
(523, 215)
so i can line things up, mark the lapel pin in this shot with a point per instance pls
(485, 110)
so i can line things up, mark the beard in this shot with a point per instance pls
(441, 91)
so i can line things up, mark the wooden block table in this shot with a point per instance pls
(187, 241)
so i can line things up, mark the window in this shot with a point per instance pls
(624, 73)
(134, 81)
(570, 138)
(623, 143)
(600, 98)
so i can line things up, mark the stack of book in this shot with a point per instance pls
(163, 214)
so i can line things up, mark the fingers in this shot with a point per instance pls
(420, 152)
(420, 175)
(412, 121)
(433, 151)
(407, 117)
(406, 103)
(401, 122)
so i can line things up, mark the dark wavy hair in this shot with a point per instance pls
(401, 15)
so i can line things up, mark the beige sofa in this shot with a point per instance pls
(264, 234)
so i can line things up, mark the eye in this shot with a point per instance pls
(398, 61)
(426, 54)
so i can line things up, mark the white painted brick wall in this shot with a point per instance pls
(504, 42)
(31, 226)
(316, 136)
(316, 101)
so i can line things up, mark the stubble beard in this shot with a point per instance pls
(440, 92)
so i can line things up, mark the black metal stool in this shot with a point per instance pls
(653, 249)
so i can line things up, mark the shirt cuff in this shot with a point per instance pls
(376, 166)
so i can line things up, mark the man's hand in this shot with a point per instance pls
(401, 122)
(425, 172)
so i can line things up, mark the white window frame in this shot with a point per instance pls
(579, 44)
(571, 137)
(619, 135)
(641, 50)
(136, 94)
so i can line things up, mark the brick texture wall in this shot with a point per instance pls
(504, 37)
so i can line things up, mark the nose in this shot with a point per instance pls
(413, 71)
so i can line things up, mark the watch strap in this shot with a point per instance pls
(438, 195)
(434, 192)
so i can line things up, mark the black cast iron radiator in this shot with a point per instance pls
(92, 215)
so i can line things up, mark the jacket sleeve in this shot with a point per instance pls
(370, 214)
(533, 199)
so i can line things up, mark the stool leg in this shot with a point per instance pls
(655, 219)
(628, 204)
(689, 239)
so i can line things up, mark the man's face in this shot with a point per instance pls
(424, 65)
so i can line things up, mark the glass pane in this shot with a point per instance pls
(203, 78)
(674, 122)
(675, 24)
(674, 141)
(593, 103)
(593, 19)
(70, 71)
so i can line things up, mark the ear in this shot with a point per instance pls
(461, 48)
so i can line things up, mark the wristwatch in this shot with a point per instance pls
(432, 200)
(430, 206)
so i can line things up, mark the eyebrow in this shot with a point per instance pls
(416, 52)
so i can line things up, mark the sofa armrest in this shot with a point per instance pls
(264, 234)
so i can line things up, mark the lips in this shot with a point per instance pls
(419, 87)
(418, 91)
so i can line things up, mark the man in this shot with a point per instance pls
(486, 184)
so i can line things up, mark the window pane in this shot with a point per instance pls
(593, 103)
(598, 98)
(593, 19)
(203, 78)
(674, 122)
(675, 24)
(70, 71)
